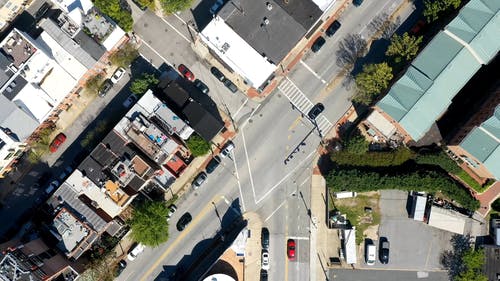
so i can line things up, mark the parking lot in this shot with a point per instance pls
(413, 245)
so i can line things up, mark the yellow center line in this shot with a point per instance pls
(195, 221)
(295, 123)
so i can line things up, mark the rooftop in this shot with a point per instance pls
(272, 28)
(71, 232)
(424, 93)
(17, 48)
(204, 123)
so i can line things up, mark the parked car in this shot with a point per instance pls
(186, 72)
(201, 86)
(418, 26)
(199, 180)
(136, 250)
(316, 110)
(213, 164)
(64, 174)
(129, 101)
(290, 249)
(119, 73)
(332, 28)
(122, 264)
(217, 73)
(184, 221)
(52, 186)
(370, 253)
(226, 150)
(42, 10)
(383, 252)
(230, 85)
(265, 260)
(171, 210)
(264, 238)
(216, 6)
(357, 3)
(105, 87)
(316, 46)
(58, 140)
(263, 275)
(44, 178)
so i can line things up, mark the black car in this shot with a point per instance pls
(217, 73)
(383, 253)
(184, 221)
(264, 238)
(332, 28)
(316, 110)
(213, 164)
(121, 266)
(105, 87)
(263, 275)
(357, 3)
(316, 46)
(230, 85)
(201, 86)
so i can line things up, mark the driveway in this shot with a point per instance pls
(413, 245)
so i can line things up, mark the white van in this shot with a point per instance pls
(370, 254)
(345, 194)
(136, 250)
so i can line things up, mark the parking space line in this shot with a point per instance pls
(282, 203)
(175, 29)
(154, 51)
(312, 71)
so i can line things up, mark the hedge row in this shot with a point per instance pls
(373, 159)
(428, 181)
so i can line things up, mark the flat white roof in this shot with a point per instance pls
(447, 220)
(350, 245)
(58, 84)
(32, 101)
(113, 39)
(236, 53)
(62, 57)
(381, 123)
(323, 4)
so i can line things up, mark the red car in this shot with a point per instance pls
(186, 72)
(60, 138)
(290, 249)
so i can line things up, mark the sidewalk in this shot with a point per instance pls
(253, 247)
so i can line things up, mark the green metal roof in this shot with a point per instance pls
(483, 143)
(440, 71)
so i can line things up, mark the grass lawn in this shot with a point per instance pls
(354, 208)
(472, 183)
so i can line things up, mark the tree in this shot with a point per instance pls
(473, 263)
(124, 56)
(198, 145)
(94, 82)
(356, 144)
(382, 26)
(372, 81)
(350, 49)
(463, 262)
(496, 205)
(146, 4)
(41, 146)
(112, 8)
(432, 9)
(403, 47)
(172, 6)
(140, 85)
(148, 224)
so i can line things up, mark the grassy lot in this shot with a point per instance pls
(354, 208)
(472, 183)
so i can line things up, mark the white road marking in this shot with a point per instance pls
(154, 51)
(312, 71)
(175, 29)
(238, 181)
(250, 117)
(241, 107)
(282, 203)
(184, 22)
(303, 182)
(248, 163)
(284, 178)
(298, 238)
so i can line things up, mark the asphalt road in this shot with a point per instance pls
(386, 275)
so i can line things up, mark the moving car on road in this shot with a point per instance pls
(184, 221)
(384, 250)
(186, 72)
(290, 249)
(265, 260)
(118, 75)
(316, 110)
(199, 180)
(316, 46)
(58, 140)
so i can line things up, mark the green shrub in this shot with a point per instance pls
(373, 159)
(439, 159)
(198, 145)
(113, 9)
(429, 181)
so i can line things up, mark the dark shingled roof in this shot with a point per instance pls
(103, 156)
(93, 170)
(204, 123)
(288, 23)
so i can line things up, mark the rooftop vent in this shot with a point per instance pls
(269, 6)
